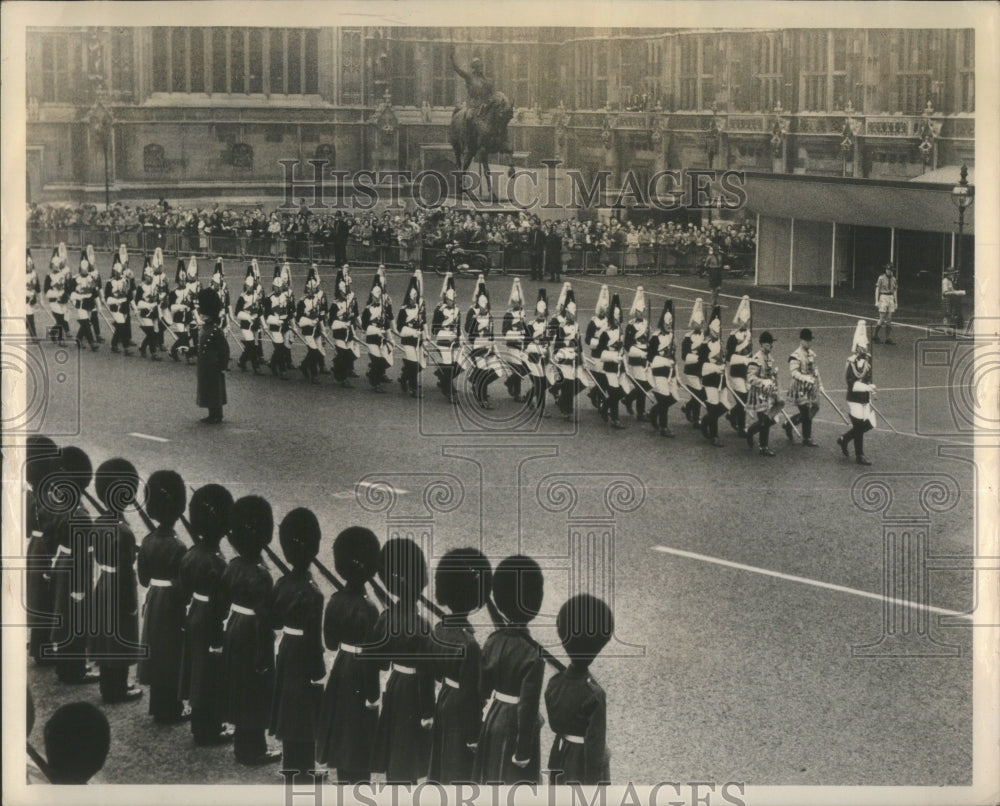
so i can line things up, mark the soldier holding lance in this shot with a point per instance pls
(410, 322)
(247, 313)
(636, 346)
(609, 348)
(376, 321)
(691, 355)
(537, 351)
(343, 314)
(515, 334)
(805, 387)
(479, 333)
(763, 401)
(739, 347)
(661, 354)
(445, 329)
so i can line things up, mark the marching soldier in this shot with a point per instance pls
(158, 565)
(591, 355)
(276, 315)
(349, 713)
(72, 570)
(163, 291)
(95, 276)
(118, 298)
(147, 304)
(514, 331)
(575, 702)
(860, 389)
(297, 610)
(410, 322)
(180, 312)
(247, 312)
(691, 355)
(116, 599)
(402, 636)
(307, 318)
(343, 315)
(56, 287)
(739, 347)
(510, 678)
(479, 333)
(32, 291)
(566, 351)
(81, 297)
(712, 360)
(375, 321)
(41, 537)
(129, 276)
(764, 402)
(609, 350)
(663, 370)
(804, 389)
(77, 740)
(462, 583)
(636, 346)
(445, 328)
(247, 679)
(193, 287)
(537, 351)
(323, 309)
(886, 300)
(200, 578)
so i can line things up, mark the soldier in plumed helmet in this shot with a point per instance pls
(462, 584)
(860, 388)
(575, 702)
(213, 357)
(194, 289)
(410, 322)
(349, 713)
(307, 319)
(635, 345)
(115, 643)
(147, 304)
(247, 312)
(32, 289)
(445, 327)
(81, 296)
(739, 348)
(375, 322)
(511, 672)
(158, 565)
(609, 349)
(277, 313)
(479, 334)
(343, 316)
(661, 354)
(536, 351)
(180, 311)
(712, 357)
(95, 276)
(200, 578)
(56, 288)
(691, 357)
(515, 335)
(117, 296)
(247, 678)
(403, 645)
(297, 610)
(591, 353)
(566, 351)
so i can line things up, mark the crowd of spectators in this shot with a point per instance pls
(325, 234)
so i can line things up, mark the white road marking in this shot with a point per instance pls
(397, 490)
(147, 436)
(814, 582)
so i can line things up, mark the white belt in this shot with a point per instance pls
(201, 597)
(354, 650)
(161, 583)
(510, 699)
(292, 631)
(107, 569)
(62, 550)
(571, 739)
(449, 682)
(403, 669)
(246, 611)
(36, 533)
(78, 596)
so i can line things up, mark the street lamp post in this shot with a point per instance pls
(962, 195)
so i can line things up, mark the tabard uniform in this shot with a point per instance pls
(636, 346)
(577, 710)
(511, 674)
(762, 380)
(201, 571)
(458, 712)
(297, 610)
(247, 679)
(158, 565)
(115, 646)
(346, 731)
(402, 744)
(803, 391)
(72, 582)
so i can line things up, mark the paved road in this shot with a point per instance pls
(740, 584)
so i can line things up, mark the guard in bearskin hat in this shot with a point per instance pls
(158, 564)
(512, 668)
(77, 740)
(41, 457)
(349, 713)
(72, 569)
(462, 584)
(248, 645)
(402, 635)
(213, 357)
(576, 704)
(297, 610)
(536, 352)
(202, 567)
(115, 645)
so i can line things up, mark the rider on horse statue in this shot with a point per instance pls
(478, 88)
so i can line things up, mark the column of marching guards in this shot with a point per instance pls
(403, 699)
(615, 360)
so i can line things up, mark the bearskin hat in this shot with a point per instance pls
(463, 580)
(39, 455)
(117, 484)
(299, 535)
(518, 588)
(209, 303)
(585, 625)
(77, 740)
(356, 555)
(252, 525)
(403, 568)
(167, 496)
(211, 511)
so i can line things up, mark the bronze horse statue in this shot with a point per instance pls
(476, 136)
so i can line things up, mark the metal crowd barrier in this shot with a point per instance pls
(511, 258)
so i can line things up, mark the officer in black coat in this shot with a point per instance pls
(553, 254)
(202, 567)
(41, 455)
